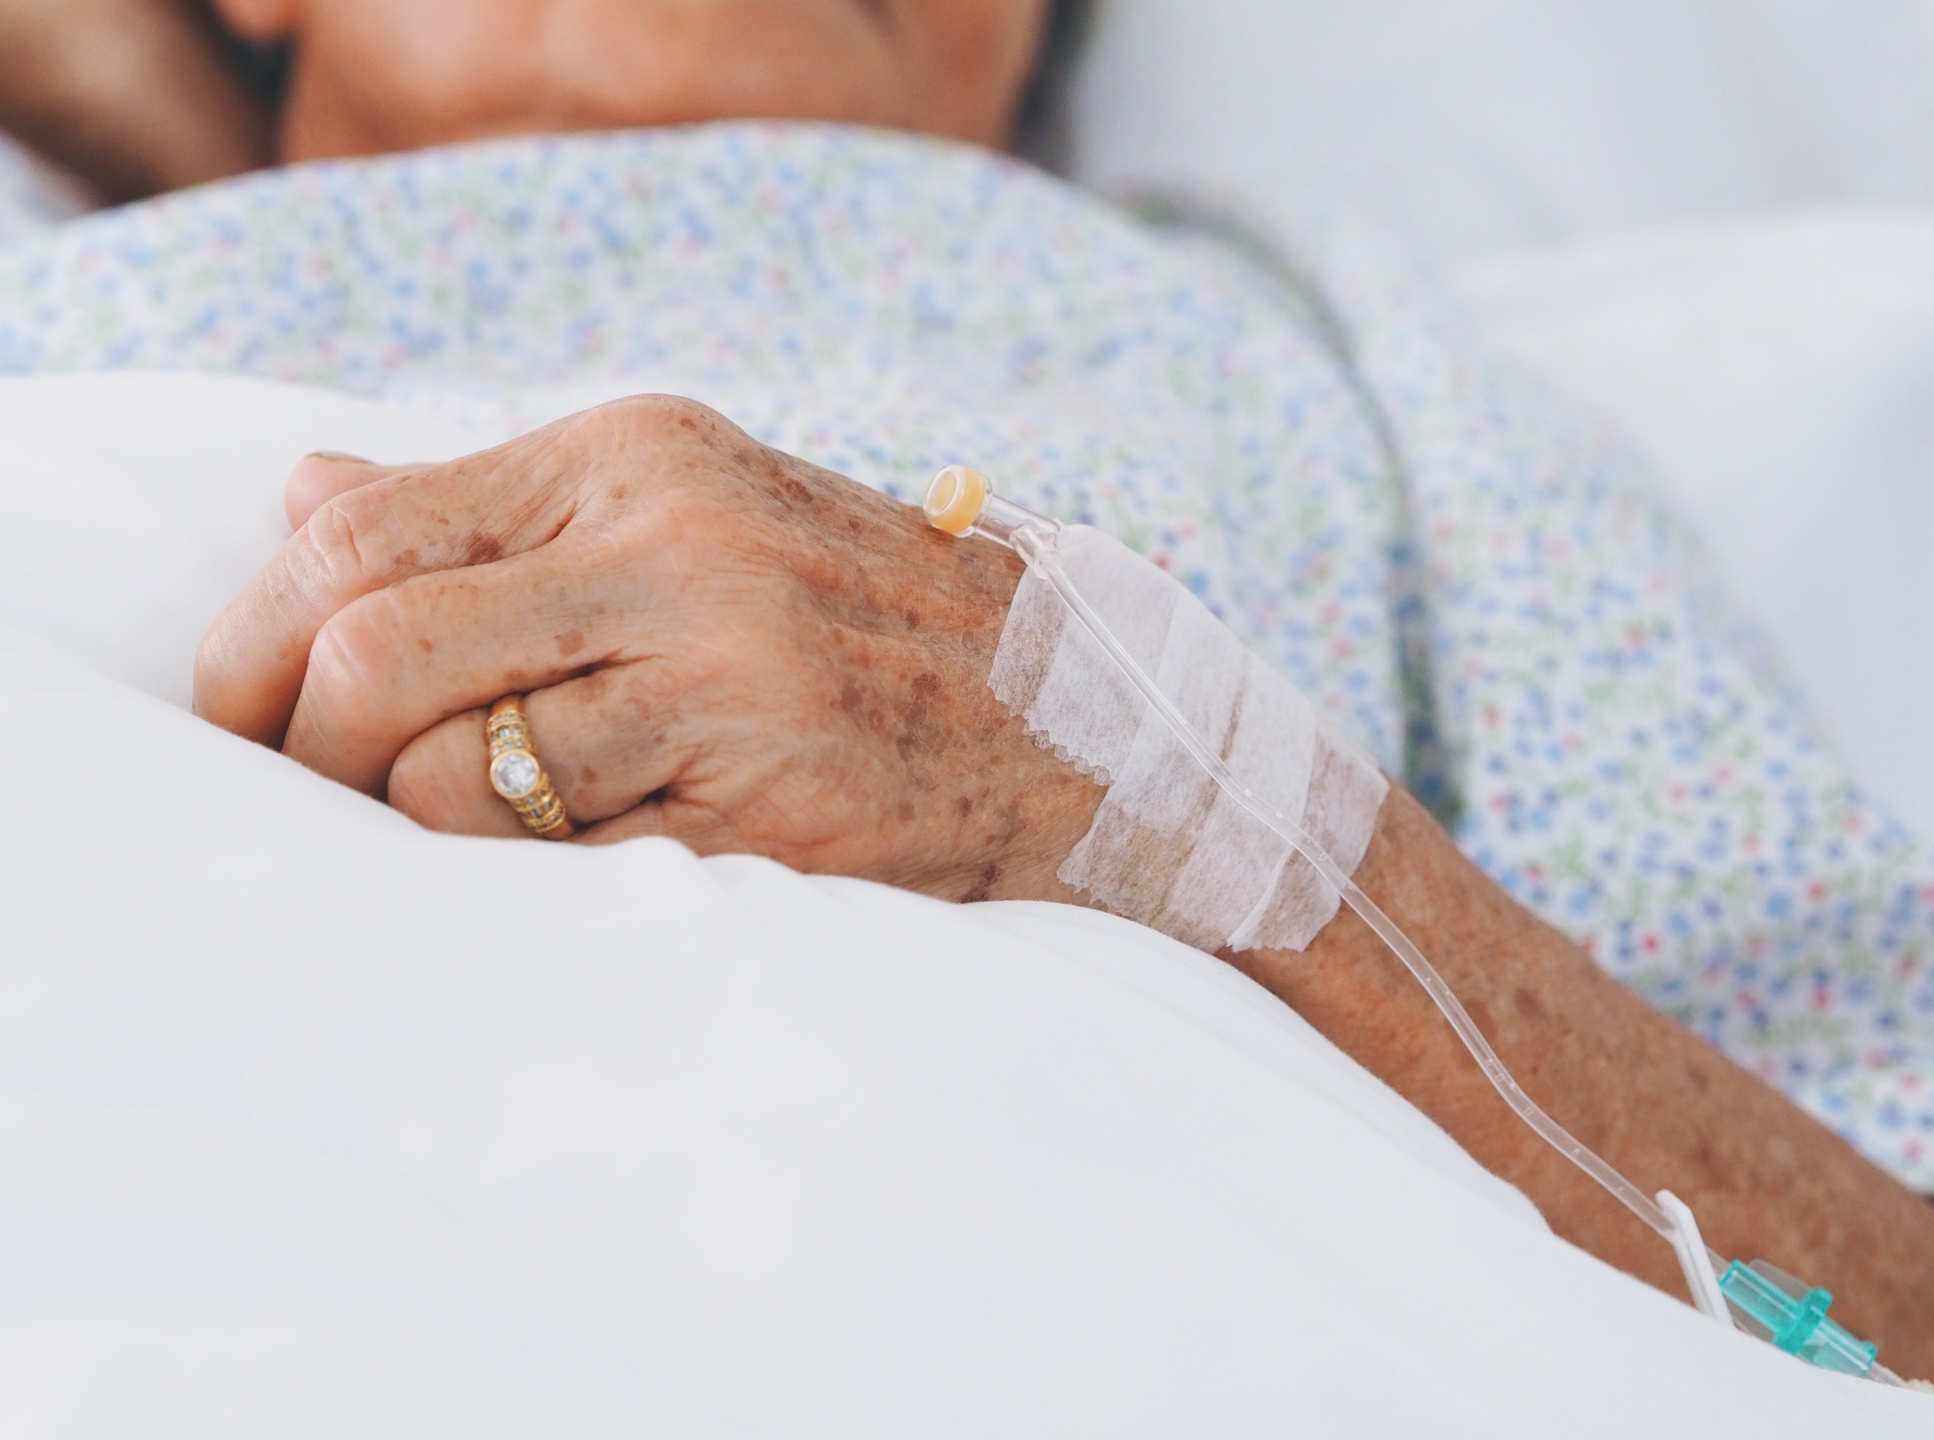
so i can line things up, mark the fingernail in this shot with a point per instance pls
(338, 456)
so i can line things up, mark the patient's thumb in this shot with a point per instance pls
(320, 477)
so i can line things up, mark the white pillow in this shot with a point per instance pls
(1481, 125)
(319, 1124)
(1779, 373)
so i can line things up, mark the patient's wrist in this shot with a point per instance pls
(1511, 971)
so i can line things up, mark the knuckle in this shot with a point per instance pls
(661, 415)
(682, 518)
(357, 652)
(674, 475)
(332, 550)
(667, 435)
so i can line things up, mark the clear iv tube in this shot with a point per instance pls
(1034, 542)
(1033, 539)
(961, 502)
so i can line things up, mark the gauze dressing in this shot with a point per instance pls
(1169, 847)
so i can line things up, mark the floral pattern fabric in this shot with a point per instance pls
(1628, 757)
(1478, 586)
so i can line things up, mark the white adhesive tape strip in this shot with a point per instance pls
(1169, 847)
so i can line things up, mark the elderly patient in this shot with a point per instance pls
(715, 639)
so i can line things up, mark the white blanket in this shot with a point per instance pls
(319, 1124)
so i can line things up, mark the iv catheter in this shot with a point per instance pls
(1757, 1297)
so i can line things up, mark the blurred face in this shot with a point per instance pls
(370, 76)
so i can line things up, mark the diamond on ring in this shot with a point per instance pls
(517, 777)
(514, 774)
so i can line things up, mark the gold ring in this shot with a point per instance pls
(516, 775)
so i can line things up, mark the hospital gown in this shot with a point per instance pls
(1478, 583)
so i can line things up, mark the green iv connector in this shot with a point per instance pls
(1767, 1301)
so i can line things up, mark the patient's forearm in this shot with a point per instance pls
(1764, 1179)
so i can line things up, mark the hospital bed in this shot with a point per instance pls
(707, 1148)
(332, 1124)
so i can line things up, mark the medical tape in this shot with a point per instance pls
(1168, 846)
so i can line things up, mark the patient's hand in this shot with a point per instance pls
(719, 642)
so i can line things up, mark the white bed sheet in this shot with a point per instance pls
(316, 1123)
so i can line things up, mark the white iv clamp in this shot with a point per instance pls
(1251, 841)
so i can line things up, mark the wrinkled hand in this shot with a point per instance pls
(718, 642)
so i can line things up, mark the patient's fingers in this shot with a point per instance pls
(320, 477)
(400, 660)
(250, 667)
(608, 741)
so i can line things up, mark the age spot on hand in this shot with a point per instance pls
(1013, 822)
(850, 699)
(918, 732)
(482, 550)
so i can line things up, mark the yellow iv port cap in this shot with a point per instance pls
(955, 498)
